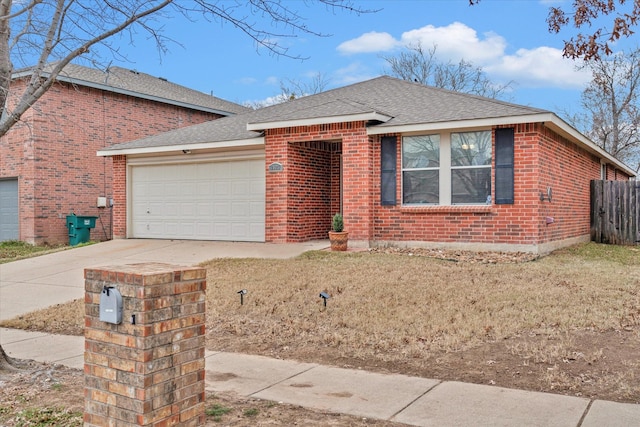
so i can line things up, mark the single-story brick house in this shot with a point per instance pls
(406, 164)
(48, 162)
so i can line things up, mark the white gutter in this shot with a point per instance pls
(373, 115)
(242, 143)
(459, 124)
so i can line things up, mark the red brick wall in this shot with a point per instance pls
(119, 197)
(542, 159)
(16, 153)
(568, 170)
(296, 214)
(149, 371)
(53, 153)
(309, 191)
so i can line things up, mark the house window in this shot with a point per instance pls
(447, 168)
(471, 167)
(421, 169)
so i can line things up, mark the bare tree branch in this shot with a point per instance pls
(592, 15)
(419, 65)
(611, 116)
(44, 36)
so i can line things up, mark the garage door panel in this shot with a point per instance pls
(208, 201)
(204, 210)
(9, 217)
(222, 210)
(256, 210)
(159, 190)
(240, 189)
(221, 188)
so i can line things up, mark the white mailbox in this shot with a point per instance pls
(110, 305)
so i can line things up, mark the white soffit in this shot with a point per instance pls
(375, 116)
(242, 143)
(460, 124)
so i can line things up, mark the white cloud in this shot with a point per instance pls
(542, 66)
(538, 67)
(266, 102)
(352, 73)
(457, 41)
(368, 43)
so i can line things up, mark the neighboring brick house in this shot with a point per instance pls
(48, 162)
(406, 164)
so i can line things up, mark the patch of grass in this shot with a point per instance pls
(66, 319)
(42, 417)
(251, 412)
(13, 250)
(623, 255)
(392, 307)
(406, 309)
(216, 411)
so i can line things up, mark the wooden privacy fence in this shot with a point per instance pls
(615, 211)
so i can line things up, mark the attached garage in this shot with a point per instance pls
(9, 226)
(211, 198)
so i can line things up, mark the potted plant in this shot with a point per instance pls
(337, 236)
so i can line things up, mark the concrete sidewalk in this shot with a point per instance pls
(410, 400)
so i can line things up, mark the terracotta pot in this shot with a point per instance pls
(338, 240)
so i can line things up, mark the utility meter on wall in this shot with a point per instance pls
(110, 305)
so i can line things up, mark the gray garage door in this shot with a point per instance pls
(9, 210)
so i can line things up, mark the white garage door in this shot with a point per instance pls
(222, 200)
(9, 210)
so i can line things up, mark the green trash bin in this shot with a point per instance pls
(80, 228)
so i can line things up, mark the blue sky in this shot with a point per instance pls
(507, 38)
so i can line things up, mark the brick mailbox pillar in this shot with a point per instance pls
(149, 369)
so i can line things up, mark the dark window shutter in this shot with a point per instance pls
(504, 166)
(388, 166)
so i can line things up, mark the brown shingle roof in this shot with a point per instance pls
(407, 103)
(141, 85)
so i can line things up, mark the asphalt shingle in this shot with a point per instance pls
(408, 103)
(144, 85)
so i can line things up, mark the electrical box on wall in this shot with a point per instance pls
(102, 202)
(111, 306)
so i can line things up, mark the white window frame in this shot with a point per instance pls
(438, 168)
(445, 167)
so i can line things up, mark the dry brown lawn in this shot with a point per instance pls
(566, 323)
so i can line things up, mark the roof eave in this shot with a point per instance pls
(240, 143)
(126, 92)
(550, 120)
(369, 116)
(560, 126)
(459, 124)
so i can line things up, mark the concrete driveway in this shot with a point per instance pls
(40, 282)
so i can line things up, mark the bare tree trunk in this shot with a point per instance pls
(6, 362)
(5, 56)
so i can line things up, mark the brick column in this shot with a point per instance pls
(147, 372)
